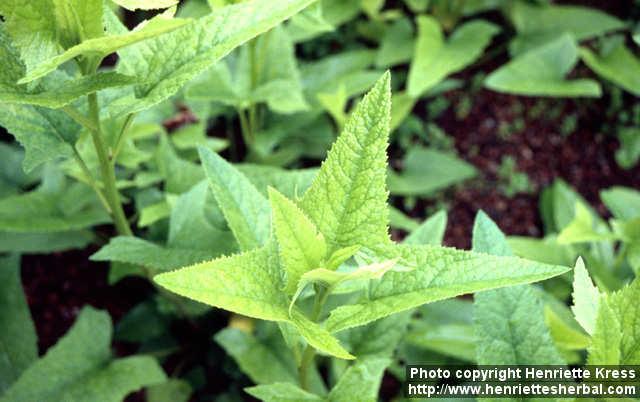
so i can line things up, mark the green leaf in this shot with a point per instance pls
(105, 45)
(318, 337)
(82, 367)
(438, 273)
(377, 339)
(509, 322)
(585, 298)
(291, 183)
(246, 210)
(607, 336)
(18, 343)
(538, 24)
(427, 170)
(347, 200)
(618, 65)
(134, 5)
(77, 20)
(197, 223)
(301, 247)
(628, 154)
(168, 63)
(43, 210)
(431, 231)
(38, 243)
(327, 74)
(22, 21)
(132, 250)
(623, 202)
(248, 284)
(624, 304)
(434, 59)
(397, 44)
(542, 71)
(362, 379)
(46, 135)
(256, 359)
(581, 228)
(282, 392)
(173, 390)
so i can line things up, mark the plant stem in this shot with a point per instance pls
(245, 128)
(309, 353)
(120, 141)
(107, 170)
(90, 179)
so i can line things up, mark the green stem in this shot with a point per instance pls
(79, 118)
(245, 128)
(90, 179)
(120, 141)
(107, 170)
(308, 356)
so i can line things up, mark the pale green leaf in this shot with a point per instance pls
(133, 250)
(18, 343)
(607, 337)
(171, 60)
(340, 256)
(105, 45)
(618, 65)
(623, 202)
(434, 58)
(179, 174)
(542, 71)
(628, 154)
(379, 338)
(248, 284)
(438, 273)
(134, 5)
(348, 198)
(318, 337)
(301, 247)
(431, 231)
(509, 322)
(291, 183)
(585, 298)
(246, 210)
(426, 171)
(564, 335)
(362, 379)
(282, 392)
(624, 303)
(581, 228)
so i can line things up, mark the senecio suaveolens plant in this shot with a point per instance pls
(324, 263)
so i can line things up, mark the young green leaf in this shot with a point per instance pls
(581, 229)
(509, 322)
(434, 59)
(348, 198)
(438, 273)
(18, 343)
(248, 284)
(623, 202)
(173, 390)
(282, 392)
(362, 379)
(77, 20)
(171, 60)
(397, 44)
(301, 247)
(134, 5)
(585, 298)
(542, 71)
(246, 210)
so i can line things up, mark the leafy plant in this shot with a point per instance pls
(342, 215)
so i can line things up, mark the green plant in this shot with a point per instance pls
(511, 181)
(297, 274)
